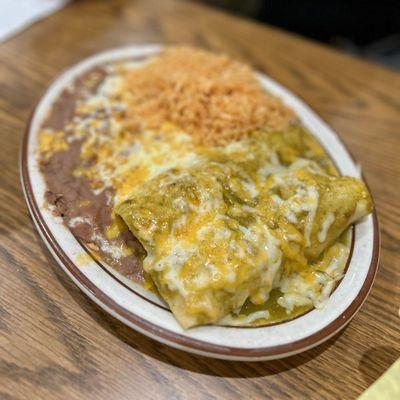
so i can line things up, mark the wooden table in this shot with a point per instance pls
(57, 344)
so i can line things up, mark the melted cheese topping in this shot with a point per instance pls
(217, 232)
(51, 142)
(313, 287)
(329, 220)
(221, 225)
(244, 320)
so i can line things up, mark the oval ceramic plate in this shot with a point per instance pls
(142, 311)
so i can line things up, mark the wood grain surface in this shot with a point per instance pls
(57, 344)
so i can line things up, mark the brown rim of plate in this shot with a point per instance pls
(177, 339)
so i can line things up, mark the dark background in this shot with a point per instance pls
(369, 29)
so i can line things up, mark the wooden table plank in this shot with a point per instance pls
(55, 343)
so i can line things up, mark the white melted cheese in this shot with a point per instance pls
(115, 252)
(251, 188)
(73, 222)
(297, 291)
(233, 320)
(111, 85)
(171, 265)
(305, 200)
(311, 206)
(326, 224)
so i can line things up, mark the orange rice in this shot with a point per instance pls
(209, 96)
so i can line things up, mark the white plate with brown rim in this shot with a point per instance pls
(141, 310)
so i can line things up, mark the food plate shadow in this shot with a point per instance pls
(180, 359)
(375, 361)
